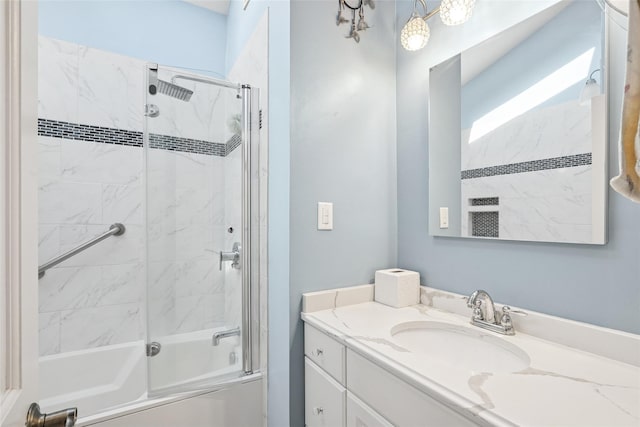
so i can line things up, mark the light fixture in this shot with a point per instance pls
(343, 6)
(415, 33)
(590, 89)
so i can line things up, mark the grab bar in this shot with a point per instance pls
(116, 229)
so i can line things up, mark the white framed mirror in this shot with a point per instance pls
(518, 132)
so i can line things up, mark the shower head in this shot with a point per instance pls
(174, 90)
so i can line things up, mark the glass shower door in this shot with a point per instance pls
(194, 134)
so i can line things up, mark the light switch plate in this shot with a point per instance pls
(325, 216)
(444, 217)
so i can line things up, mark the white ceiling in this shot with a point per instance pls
(218, 6)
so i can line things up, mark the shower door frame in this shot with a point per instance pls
(250, 212)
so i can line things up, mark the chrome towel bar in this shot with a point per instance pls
(116, 229)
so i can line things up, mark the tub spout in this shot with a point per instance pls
(217, 336)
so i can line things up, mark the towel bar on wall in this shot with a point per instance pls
(116, 229)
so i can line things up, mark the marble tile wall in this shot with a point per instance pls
(555, 131)
(540, 205)
(99, 296)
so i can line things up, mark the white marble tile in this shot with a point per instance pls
(573, 209)
(161, 242)
(199, 277)
(213, 311)
(71, 288)
(136, 77)
(100, 163)
(57, 80)
(49, 333)
(161, 281)
(568, 233)
(48, 242)
(195, 205)
(193, 170)
(125, 249)
(95, 327)
(193, 241)
(189, 314)
(121, 284)
(554, 131)
(122, 203)
(49, 167)
(105, 83)
(69, 203)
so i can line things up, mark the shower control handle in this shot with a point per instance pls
(63, 418)
(233, 256)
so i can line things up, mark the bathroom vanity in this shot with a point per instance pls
(367, 364)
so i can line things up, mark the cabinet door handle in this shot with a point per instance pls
(319, 352)
(319, 410)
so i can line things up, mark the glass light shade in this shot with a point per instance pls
(456, 12)
(590, 89)
(414, 34)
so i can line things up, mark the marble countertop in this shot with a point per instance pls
(562, 385)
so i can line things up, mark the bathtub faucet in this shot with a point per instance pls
(217, 336)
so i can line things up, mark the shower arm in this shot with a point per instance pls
(210, 81)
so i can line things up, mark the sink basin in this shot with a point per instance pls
(460, 346)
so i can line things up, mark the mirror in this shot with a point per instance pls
(517, 141)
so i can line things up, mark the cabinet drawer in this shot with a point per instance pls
(360, 415)
(398, 402)
(324, 403)
(325, 352)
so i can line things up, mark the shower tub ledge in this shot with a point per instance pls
(111, 381)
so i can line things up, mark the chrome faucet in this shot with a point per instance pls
(217, 336)
(488, 318)
(233, 256)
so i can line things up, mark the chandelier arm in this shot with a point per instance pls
(430, 14)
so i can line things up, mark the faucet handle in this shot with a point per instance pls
(508, 310)
(477, 311)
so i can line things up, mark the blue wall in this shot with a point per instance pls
(343, 150)
(595, 284)
(169, 32)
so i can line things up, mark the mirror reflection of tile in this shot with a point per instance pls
(525, 136)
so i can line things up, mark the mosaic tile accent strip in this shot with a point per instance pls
(78, 132)
(233, 143)
(104, 135)
(187, 145)
(531, 166)
(485, 201)
(485, 224)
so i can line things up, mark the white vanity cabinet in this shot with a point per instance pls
(324, 398)
(361, 415)
(342, 388)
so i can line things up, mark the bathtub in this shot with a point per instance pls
(111, 381)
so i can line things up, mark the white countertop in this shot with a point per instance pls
(562, 386)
